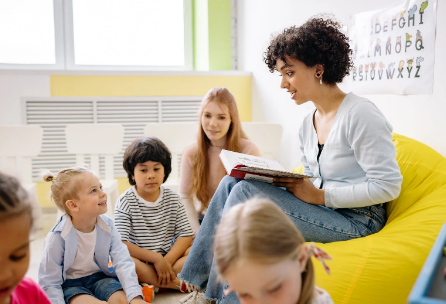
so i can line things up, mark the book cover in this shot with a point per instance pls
(246, 166)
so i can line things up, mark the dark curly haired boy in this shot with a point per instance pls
(152, 219)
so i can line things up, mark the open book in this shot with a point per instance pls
(253, 167)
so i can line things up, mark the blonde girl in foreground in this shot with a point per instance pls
(74, 267)
(201, 167)
(263, 257)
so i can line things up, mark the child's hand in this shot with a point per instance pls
(164, 271)
(172, 273)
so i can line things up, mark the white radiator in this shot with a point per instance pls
(54, 113)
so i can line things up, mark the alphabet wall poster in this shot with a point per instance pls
(394, 49)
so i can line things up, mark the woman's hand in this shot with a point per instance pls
(164, 271)
(303, 189)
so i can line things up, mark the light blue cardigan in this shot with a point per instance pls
(358, 162)
(60, 250)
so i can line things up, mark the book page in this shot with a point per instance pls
(254, 162)
(255, 165)
(232, 160)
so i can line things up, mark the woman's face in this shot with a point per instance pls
(256, 282)
(298, 79)
(215, 122)
(14, 253)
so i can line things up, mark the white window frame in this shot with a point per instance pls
(64, 44)
(59, 45)
(69, 46)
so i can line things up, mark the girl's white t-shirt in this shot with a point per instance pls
(322, 297)
(84, 263)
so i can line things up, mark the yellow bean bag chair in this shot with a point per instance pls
(382, 268)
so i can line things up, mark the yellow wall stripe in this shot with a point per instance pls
(118, 86)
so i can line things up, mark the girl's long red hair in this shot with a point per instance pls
(200, 164)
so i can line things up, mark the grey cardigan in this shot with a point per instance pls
(358, 163)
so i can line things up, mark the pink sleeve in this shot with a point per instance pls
(185, 173)
(29, 291)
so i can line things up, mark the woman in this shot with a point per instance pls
(201, 169)
(346, 145)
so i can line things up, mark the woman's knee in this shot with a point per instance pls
(243, 191)
(228, 182)
(228, 179)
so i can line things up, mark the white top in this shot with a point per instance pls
(358, 163)
(321, 297)
(84, 263)
(151, 225)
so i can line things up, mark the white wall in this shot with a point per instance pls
(14, 86)
(422, 117)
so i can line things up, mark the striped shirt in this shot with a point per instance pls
(151, 225)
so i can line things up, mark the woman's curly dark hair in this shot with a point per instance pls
(317, 41)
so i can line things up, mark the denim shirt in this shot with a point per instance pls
(60, 251)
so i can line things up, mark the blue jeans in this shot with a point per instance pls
(316, 223)
(97, 285)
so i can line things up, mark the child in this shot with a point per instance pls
(151, 219)
(74, 267)
(15, 227)
(263, 257)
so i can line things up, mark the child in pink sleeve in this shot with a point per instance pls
(15, 226)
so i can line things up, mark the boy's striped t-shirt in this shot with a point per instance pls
(152, 225)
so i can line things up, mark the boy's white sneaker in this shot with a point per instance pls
(196, 297)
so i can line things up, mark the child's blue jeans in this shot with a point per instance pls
(97, 285)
